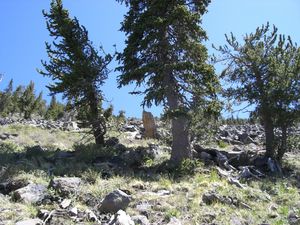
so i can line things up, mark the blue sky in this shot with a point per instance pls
(23, 33)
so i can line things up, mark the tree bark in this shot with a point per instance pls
(181, 147)
(283, 145)
(269, 133)
(98, 125)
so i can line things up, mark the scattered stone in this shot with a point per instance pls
(140, 220)
(66, 186)
(65, 203)
(143, 208)
(115, 201)
(91, 216)
(121, 218)
(174, 221)
(293, 219)
(43, 214)
(12, 185)
(32, 193)
(73, 211)
(30, 222)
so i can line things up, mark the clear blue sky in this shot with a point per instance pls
(23, 33)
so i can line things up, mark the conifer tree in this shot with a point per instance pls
(76, 66)
(55, 110)
(29, 103)
(15, 108)
(6, 99)
(164, 52)
(265, 71)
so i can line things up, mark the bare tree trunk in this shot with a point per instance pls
(98, 123)
(181, 148)
(283, 145)
(269, 133)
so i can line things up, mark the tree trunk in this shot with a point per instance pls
(98, 123)
(283, 145)
(181, 148)
(269, 133)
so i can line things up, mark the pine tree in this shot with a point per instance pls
(6, 99)
(29, 103)
(164, 52)
(75, 66)
(15, 108)
(55, 110)
(265, 71)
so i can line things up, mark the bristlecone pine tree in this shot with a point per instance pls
(75, 66)
(265, 71)
(164, 52)
(55, 110)
(28, 102)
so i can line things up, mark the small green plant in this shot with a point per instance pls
(91, 176)
(222, 144)
(187, 167)
(172, 213)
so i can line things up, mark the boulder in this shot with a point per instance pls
(66, 186)
(12, 185)
(149, 125)
(115, 201)
(121, 218)
(32, 193)
(30, 222)
(141, 220)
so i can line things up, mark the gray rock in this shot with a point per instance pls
(12, 185)
(32, 193)
(174, 221)
(121, 218)
(30, 222)
(91, 216)
(293, 219)
(115, 201)
(141, 220)
(65, 203)
(66, 186)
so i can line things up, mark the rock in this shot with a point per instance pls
(43, 214)
(73, 211)
(121, 218)
(140, 220)
(12, 185)
(143, 208)
(30, 222)
(65, 203)
(209, 198)
(149, 125)
(174, 221)
(91, 216)
(205, 156)
(32, 193)
(115, 201)
(293, 219)
(71, 126)
(66, 186)
(130, 128)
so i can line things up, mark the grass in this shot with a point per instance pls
(271, 200)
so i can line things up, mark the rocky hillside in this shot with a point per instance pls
(50, 173)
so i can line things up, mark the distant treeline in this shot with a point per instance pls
(24, 102)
